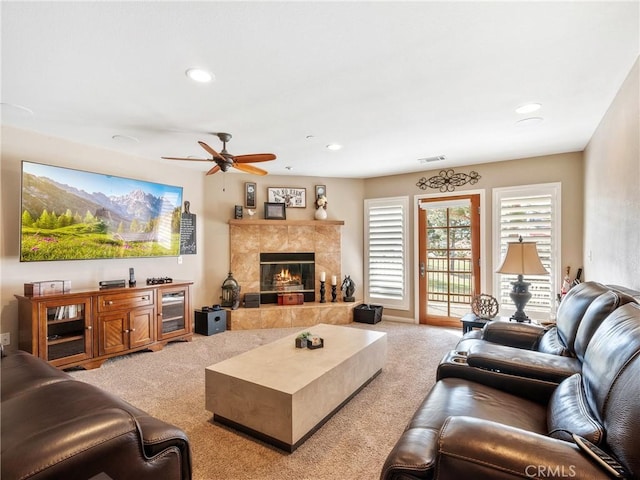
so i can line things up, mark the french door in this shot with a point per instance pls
(449, 257)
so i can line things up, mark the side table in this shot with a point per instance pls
(471, 321)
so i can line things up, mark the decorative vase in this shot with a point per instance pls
(321, 213)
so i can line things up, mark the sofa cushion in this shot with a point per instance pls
(569, 413)
(599, 309)
(572, 308)
(550, 343)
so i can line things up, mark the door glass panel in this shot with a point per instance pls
(449, 255)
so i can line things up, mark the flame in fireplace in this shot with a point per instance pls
(284, 277)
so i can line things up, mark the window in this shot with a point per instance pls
(386, 251)
(532, 212)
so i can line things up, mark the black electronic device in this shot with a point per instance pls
(132, 277)
(112, 283)
(602, 458)
(159, 280)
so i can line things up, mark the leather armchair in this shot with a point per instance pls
(465, 429)
(55, 427)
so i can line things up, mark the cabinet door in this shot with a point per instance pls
(173, 312)
(113, 335)
(67, 328)
(141, 322)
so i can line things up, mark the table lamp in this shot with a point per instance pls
(521, 259)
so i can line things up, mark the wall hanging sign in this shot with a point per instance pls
(448, 180)
(291, 197)
(187, 231)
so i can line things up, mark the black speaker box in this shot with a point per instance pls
(210, 322)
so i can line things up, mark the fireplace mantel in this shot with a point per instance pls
(248, 238)
(260, 221)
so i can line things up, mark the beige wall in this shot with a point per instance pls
(564, 168)
(612, 191)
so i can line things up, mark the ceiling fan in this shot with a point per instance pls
(224, 160)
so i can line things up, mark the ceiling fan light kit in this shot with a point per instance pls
(224, 160)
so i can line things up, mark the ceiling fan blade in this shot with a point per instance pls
(214, 170)
(249, 169)
(211, 150)
(253, 158)
(190, 159)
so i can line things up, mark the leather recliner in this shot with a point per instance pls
(464, 429)
(495, 364)
(556, 340)
(55, 427)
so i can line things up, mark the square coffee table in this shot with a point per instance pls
(281, 394)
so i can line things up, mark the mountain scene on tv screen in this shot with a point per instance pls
(62, 222)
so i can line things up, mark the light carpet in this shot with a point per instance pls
(353, 444)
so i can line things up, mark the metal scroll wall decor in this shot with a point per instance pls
(448, 180)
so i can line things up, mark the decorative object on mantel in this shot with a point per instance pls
(484, 306)
(348, 288)
(323, 291)
(448, 180)
(230, 293)
(274, 211)
(291, 197)
(334, 288)
(321, 208)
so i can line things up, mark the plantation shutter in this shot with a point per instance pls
(529, 213)
(386, 237)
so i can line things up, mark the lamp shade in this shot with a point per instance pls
(522, 259)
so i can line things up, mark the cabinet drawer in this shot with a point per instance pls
(127, 300)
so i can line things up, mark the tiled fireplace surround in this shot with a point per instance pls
(249, 238)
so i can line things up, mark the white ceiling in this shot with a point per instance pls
(391, 81)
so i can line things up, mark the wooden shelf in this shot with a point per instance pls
(262, 221)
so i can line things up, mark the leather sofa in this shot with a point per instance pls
(558, 339)
(56, 427)
(504, 352)
(467, 429)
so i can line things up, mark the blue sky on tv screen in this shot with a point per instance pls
(109, 185)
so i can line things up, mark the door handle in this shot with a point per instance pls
(423, 269)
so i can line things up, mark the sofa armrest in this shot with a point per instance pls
(454, 365)
(525, 363)
(513, 334)
(475, 448)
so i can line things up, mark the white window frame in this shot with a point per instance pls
(554, 189)
(403, 203)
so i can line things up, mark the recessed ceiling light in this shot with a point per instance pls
(528, 108)
(334, 146)
(199, 75)
(124, 139)
(529, 122)
(438, 158)
(14, 107)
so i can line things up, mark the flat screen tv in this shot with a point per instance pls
(71, 214)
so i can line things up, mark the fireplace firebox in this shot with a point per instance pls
(287, 273)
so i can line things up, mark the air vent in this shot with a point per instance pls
(439, 158)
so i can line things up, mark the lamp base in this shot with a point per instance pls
(520, 295)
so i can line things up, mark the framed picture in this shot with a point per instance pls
(321, 190)
(275, 211)
(291, 197)
(250, 195)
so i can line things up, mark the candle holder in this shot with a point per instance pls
(323, 292)
(334, 293)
